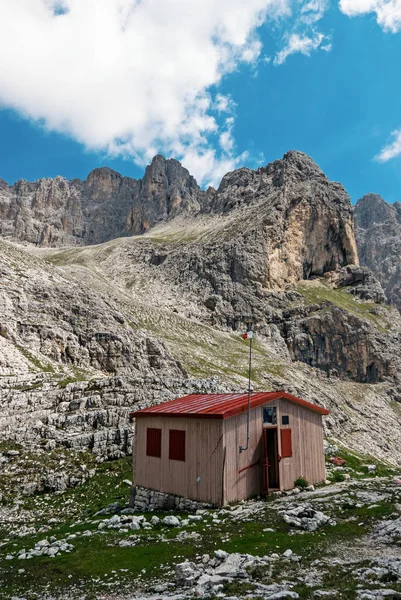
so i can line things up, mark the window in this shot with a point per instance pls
(153, 442)
(270, 416)
(177, 445)
(286, 443)
(285, 420)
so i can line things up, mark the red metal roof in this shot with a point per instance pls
(219, 406)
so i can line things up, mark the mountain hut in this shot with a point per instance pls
(190, 447)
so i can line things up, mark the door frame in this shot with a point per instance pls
(265, 460)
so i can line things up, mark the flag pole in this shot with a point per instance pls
(248, 335)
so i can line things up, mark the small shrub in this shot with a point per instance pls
(301, 483)
(336, 476)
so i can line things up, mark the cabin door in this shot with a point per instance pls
(270, 459)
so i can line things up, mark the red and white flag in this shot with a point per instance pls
(248, 335)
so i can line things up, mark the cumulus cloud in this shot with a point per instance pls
(137, 77)
(391, 150)
(131, 76)
(388, 12)
(301, 44)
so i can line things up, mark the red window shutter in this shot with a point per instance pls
(177, 445)
(153, 442)
(286, 443)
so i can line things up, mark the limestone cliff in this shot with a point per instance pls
(57, 212)
(378, 235)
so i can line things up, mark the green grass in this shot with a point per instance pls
(396, 406)
(6, 445)
(95, 557)
(79, 375)
(301, 483)
(35, 361)
(89, 568)
(321, 293)
(356, 463)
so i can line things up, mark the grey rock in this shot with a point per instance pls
(304, 516)
(57, 212)
(186, 574)
(378, 236)
(171, 521)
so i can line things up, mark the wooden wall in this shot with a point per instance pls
(204, 459)
(307, 450)
(239, 486)
(212, 454)
(307, 445)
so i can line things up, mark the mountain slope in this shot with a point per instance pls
(90, 332)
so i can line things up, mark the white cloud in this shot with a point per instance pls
(313, 11)
(391, 150)
(135, 77)
(301, 44)
(131, 76)
(303, 36)
(388, 12)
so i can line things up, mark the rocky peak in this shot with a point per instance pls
(166, 190)
(371, 209)
(103, 176)
(106, 205)
(295, 166)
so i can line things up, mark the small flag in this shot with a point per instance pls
(248, 335)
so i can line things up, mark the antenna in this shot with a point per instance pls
(248, 336)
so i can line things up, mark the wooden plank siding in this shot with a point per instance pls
(307, 445)
(240, 485)
(307, 450)
(203, 459)
(214, 470)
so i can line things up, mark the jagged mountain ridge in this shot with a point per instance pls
(57, 212)
(378, 235)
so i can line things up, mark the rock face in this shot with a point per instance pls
(301, 221)
(48, 321)
(378, 235)
(57, 212)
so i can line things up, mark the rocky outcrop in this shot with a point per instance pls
(378, 236)
(340, 343)
(47, 322)
(289, 212)
(57, 212)
(266, 230)
(43, 412)
(299, 221)
(166, 190)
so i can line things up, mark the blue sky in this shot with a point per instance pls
(332, 91)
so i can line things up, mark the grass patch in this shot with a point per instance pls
(301, 483)
(78, 376)
(357, 465)
(396, 406)
(320, 294)
(35, 361)
(99, 564)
